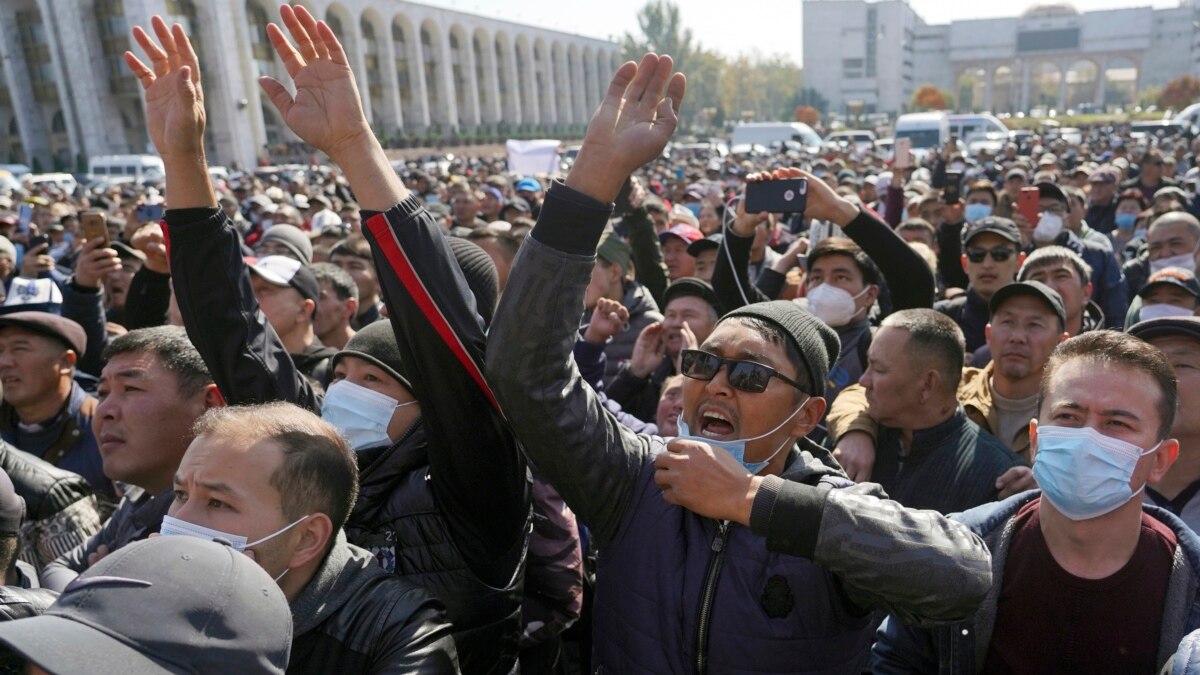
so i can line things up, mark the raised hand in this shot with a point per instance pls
(95, 263)
(326, 111)
(630, 128)
(174, 99)
(648, 350)
(149, 240)
(608, 318)
(823, 202)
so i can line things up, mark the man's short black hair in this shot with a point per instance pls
(355, 245)
(934, 339)
(842, 246)
(341, 281)
(171, 346)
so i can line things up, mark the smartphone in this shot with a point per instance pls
(149, 213)
(777, 196)
(950, 193)
(24, 217)
(1027, 204)
(37, 241)
(94, 226)
(903, 153)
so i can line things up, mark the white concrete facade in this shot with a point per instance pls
(66, 96)
(1051, 56)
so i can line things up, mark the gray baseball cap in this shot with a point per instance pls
(162, 605)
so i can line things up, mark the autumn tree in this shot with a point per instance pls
(807, 114)
(928, 97)
(1179, 92)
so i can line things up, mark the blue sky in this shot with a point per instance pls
(766, 26)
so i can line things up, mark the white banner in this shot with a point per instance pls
(527, 158)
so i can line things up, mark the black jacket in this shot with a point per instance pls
(450, 508)
(353, 617)
(971, 313)
(60, 510)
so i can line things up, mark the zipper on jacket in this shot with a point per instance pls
(706, 600)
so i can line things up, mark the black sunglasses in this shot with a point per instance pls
(745, 376)
(999, 254)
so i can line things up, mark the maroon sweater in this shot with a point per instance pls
(1050, 621)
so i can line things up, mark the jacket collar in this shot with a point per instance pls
(326, 592)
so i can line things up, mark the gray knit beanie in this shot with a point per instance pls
(818, 343)
(480, 271)
(376, 344)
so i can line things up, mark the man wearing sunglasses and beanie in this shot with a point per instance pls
(991, 256)
(739, 546)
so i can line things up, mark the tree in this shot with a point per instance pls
(662, 32)
(929, 97)
(811, 97)
(1179, 92)
(807, 114)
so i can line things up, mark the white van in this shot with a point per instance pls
(966, 126)
(766, 133)
(928, 131)
(1189, 117)
(137, 167)
(40, 181)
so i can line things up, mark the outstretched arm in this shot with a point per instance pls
(212, 285)
(576, 444)
(478, 475)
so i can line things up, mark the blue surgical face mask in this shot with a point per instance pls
(737, 448)
(976, 212)
(1084, 473)
(359, 414)
(1126, 221)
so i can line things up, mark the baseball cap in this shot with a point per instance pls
(708, 243)
(519, 203)
(687, 233)
(1184, 326)
(996, 224)
(1172, 191)
(528, 185)
(1035, 289)
(691, 286)
(281, 270)
(1048, 190)
(54, 326)
(614, 251)
(292, 238)
(162, 605)
(1104, 174)
(1016, 173)
(1172, 277)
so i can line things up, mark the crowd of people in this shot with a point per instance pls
(361, 419)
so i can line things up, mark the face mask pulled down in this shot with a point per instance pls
(1084, 473)
(737, 448)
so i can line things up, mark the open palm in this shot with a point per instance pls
(174, 99)
(326, 111)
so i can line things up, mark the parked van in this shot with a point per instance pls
(41, 181)
(966, 126)
(1189, 117)
(928, 131)
(138, 167)
(766, 133)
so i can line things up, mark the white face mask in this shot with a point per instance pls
(360, 414)
(1162, 310)
(1184, 261)
(833, 305)
(1049, 227)
(174, 527)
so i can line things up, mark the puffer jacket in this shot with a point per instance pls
(448, 506)
(353, 617)
(677, 592)
(849, 412)
(962, 647)
(60, 509)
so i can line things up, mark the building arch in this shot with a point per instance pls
(370, 28)
(544, 82)
(562, 84)
(590, 88)
(1120, 82)
(483, 56)
(461, 75)
(1046, 79)
(1004, 95)
(527, 73)
(971, 88)
(1083, 79)
(408, 72)
(431, 62)
(508, 78)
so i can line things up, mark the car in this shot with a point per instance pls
(769, 133)
(42, 181)
(1159, 128)
(17, 170)
(858, 140)
(991, 142)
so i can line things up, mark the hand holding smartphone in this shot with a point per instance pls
(1027, 204)
(789, 195)
(903, 153)
(94, 226)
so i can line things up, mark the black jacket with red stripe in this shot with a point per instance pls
(448, 505)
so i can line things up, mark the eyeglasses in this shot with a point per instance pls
(745, 376)
(999, 253)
